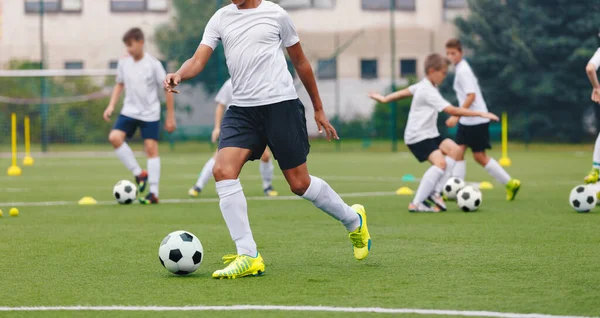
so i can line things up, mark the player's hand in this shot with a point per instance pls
(107, 113)
(452, 121)
(596, 95)
(170, 125)
(324, 125)
(490, 116)
(171, 81)
(215, 135)
(378, 97)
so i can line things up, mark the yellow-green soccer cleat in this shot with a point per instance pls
(361, 239)
(512, 188)
(194, 192)
(592, 177)
(240, 266)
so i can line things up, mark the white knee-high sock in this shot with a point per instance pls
(326, 199)
(495, 170)
(266, 172)
(153, 174)
(450, 163)
(428, 182)
(127, 157)
(206, 173)
(597, 153)
(235, 212)
(460, 170)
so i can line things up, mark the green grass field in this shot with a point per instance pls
(534, 255)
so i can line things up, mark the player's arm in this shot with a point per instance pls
(460, 111)
(190, 68)
(220, 111)
(305, 72)
(170, 123)
(391, 97)
(591, 71)
(114, 98)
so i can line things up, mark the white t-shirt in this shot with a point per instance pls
(225, 94)
(422, 118)
(143, 80)
(253, 40)
(596, 59)
(465, 83)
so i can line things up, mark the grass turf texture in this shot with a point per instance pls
(532, 255)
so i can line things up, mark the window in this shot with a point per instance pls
(368, 69)
(405, 5)
(408, 67)
(139, 5)
(74, 65)
(71, 5)
(33, 6)
(455, 4)
(305, 4)
(327, 69)
(113, 64)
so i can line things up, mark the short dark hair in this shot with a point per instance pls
(133, 34)
(436, 62)
(454, 44)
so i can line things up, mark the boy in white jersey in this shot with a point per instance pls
(223, 99)
(591, 71)
(473, 132)
(141, 76)
(421, 134)
(265, 111)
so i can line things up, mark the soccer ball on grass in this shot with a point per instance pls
(181, 253)
(583, 198)
(469, 199)
(452, 187)
(125, 192)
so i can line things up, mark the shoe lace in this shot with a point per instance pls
(229, 258)
(356, 238)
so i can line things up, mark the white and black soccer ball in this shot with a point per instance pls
(452, 187)
(181, 253)
(583, 198)
(469, 199)
(125, 192)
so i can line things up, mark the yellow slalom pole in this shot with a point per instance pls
(505, 160)
(14, 170)
(28, 160)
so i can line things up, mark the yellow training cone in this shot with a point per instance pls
(486, 186)
(505, 162)
(14, 171)
(404, 191)
(87, 201)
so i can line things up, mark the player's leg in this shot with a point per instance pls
(266, 173)
(203, 178)
(150, 132)
(430, 178)
(593, 176)
(125, 128)
(452, 152)
(461, 139)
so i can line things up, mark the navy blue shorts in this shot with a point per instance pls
(148, 129)
(476, 137)
(281, 126)
(424, 148)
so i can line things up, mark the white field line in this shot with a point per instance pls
(208, 200)
(466, 313)
(192, 177)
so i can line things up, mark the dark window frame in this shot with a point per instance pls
(326, 63)
(311, 5)
(144, 7)
(464, 4)
(374, 66)
(383, 7)
(73, 62)
(112, 63)
(50, 7)
(403, 72)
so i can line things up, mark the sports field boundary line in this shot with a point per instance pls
(379, 310)
(207, 200)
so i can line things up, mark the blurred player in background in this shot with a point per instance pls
(266, 111)
(473, 132)
(223, 100)
(422, 136)
(591, 70)
(141, 76)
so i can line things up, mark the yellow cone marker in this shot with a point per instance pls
(486, 186)
(1, 213)
(13, 212)
(87, 201)
(13, 170)
(404, 191)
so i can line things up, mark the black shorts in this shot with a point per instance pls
(281, 126)
(423, 149)
(148, 129)
(476, 137)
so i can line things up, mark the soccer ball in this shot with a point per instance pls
(469, 199)
(582, 198)
(125, 192)
(452, 187)
(181, 253)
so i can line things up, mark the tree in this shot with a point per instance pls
(529, 56)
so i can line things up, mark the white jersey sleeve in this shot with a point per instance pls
(120, 73)
(212, 36)
(467, 80)
(225, 94)
(289, 35)
(159, 73)
(413, 88)
(435, 100)
(595, 60)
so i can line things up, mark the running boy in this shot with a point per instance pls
(422, 136)
(265, 111)
(591, 70)
(223, 100)
(473, 132)
(141, 76)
